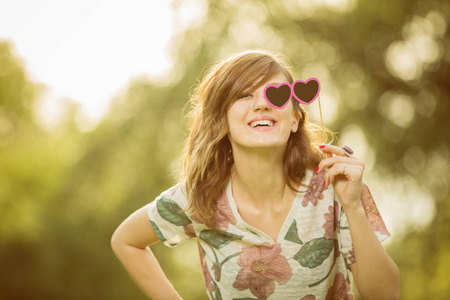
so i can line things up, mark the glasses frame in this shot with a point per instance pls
(291, 86)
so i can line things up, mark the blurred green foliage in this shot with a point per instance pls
(63, 191)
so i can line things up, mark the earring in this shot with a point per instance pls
(230, 155)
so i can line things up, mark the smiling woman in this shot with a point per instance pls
(256, 194)
(214, 123)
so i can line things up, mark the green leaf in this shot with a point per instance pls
(292, 234)
(158, 231)
(219, 239)
(252, 231)
(324, 278)
(314, 252)
(230, 257)
(170, 211)
(201, 248)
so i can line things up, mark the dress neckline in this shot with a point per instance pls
(289, 218)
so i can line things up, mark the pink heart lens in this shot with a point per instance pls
(278, 96)
(306, 91)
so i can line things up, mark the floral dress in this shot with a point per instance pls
(310, 259)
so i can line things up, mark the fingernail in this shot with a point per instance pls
(321, 146)
(317, 169)
(324, 182)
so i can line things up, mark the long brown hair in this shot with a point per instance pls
(207, 159)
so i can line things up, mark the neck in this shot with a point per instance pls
(258, 177)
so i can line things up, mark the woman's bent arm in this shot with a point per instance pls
(130, 243)
(375, 273)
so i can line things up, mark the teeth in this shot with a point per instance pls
(261, 123)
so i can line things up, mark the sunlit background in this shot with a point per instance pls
(91, 124)
(87, 51)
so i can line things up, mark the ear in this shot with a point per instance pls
(295, 120)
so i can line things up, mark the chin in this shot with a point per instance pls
(267, 144)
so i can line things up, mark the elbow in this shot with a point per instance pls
(392, 291)
(115, 242)
(395, 285)
(386, 294)
(393, 294)
(388, 290)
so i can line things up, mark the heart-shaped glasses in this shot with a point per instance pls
(305, 92)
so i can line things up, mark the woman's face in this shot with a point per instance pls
(254, 123)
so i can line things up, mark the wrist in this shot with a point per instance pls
(353, 209)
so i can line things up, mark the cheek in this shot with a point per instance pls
(231, 122)
(288, 115)
(235, 114)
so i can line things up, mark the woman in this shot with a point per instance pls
(271, 217)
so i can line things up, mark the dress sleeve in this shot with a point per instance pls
(375, 220)
(170, 223)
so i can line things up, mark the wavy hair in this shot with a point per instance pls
(207, 158)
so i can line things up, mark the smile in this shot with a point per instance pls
(262, 123)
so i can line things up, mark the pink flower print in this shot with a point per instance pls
(372, 212)
(189, 230)
(337, 253)
(223, 215)
(339, 289)
(206, 275)
(261, 266)
(331, 223)
(217, 269)
(315, 189)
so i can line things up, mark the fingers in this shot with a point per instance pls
(330, 161)
(332, 149)
(353, 172)
(339, 164)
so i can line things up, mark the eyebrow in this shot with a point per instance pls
(251, 89)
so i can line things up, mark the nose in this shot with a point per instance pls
(260, 103)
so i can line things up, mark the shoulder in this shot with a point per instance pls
(170, 206)
(176, 193)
